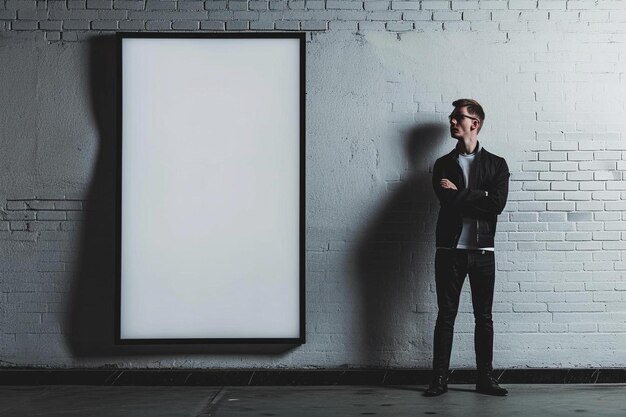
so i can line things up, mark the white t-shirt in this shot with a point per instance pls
(468, 234)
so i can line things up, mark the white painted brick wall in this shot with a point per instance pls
(551, 75)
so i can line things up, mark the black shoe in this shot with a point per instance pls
(438, 386)
(486, 383)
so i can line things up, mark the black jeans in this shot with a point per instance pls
(451, 267)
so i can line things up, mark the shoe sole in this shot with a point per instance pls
(426, 394)
(491, 393)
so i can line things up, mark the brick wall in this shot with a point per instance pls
(381, 76)
(72, 20)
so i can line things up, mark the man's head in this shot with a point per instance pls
(466, 119)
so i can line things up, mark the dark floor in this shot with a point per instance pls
(461, 400)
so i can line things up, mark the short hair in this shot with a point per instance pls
(473, 107)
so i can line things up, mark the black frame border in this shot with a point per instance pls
(120, 36)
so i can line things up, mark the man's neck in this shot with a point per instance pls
(467, 146)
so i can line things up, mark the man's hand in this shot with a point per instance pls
(445, 183)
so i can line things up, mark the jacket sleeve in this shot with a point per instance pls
(453, 199)
(494, 203)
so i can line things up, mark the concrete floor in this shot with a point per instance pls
(461, 400)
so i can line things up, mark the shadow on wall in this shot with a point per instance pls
(394, 261)
(90, 324)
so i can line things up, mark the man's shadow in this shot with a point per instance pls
(394, 261)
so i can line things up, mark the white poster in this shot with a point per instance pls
(211, 154)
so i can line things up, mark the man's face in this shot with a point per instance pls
(462, 124)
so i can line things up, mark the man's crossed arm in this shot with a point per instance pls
(471, 202)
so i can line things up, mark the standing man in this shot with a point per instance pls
(472, 186)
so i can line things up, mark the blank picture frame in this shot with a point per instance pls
(210, 175)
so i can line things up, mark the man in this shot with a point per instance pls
(472, 187)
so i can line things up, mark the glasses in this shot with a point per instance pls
(459, 117)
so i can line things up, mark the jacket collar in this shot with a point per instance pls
(454, 154)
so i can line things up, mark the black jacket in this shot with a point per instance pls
(492, 175)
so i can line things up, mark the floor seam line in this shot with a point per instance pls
(206, 411)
